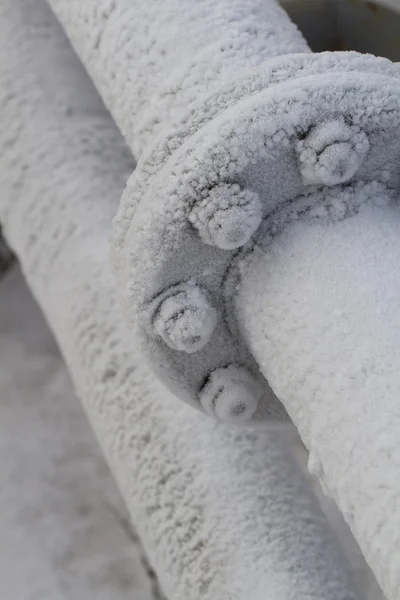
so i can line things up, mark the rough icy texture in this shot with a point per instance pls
(165, 71)
(223, 513)
(228, 216)
(64, 531)
(31, 368)
(185, 319)
(320, 307)
(212, 94)
(220, 132)
(151, 61)
(231, 394)
(332, 152)
(162, 248)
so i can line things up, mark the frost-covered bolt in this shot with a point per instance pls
(331, 153)
(186, 320)
(231, 394)
(228, 216)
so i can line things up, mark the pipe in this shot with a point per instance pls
(165, 71)
(63, 527)
(224, 153)
(230, 116)
(319, 308)
(222, 513)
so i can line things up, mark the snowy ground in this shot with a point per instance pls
(64, 532)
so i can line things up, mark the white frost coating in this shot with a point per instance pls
(186, 320)
(166, 70)
(361, 89)
(62, 520)
(223, 513)
(154, 61)
(228, 216)
(331, 153)
(231, 394)
(329, 205)
(320, 309)
(212, 93)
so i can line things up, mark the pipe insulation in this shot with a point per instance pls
(223, 513)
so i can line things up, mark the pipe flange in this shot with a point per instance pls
(209, 200)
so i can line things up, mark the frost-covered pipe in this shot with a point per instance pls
(154, 63)
(319, 306)
(60, 511)
(230, 116)
(223, 513)
(297, 133)
(219, 150)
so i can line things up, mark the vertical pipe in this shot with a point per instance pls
(319, 309)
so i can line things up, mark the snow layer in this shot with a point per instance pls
(223, 513)
(320, 308)
(64, 531)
